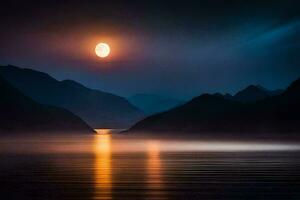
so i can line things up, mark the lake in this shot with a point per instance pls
(106, 166)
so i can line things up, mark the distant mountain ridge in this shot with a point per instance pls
(252, 93)
(20, 114)
(151, 104)
(215, 113)
(97, 108)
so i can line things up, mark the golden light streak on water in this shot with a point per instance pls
(103, 178)
(104, 131)
(154, 170)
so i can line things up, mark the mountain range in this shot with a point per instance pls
(219, 113)
(99, 109)
(20, 114)
(49, 104)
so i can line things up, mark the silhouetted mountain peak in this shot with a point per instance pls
(254, 88)
(98, 108)
(19, 113)
(294, 87)
(214, 113)
(251, 93)
(14, 70)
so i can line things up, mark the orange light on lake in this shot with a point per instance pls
(154, 170)
(104, 131)
(103, 179)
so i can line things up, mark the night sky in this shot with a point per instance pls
(179, 49)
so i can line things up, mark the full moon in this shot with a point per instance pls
(102, 50)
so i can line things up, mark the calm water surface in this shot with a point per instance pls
(132, 167)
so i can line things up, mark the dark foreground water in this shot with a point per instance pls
(127, 167)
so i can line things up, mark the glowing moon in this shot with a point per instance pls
(102, 50)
